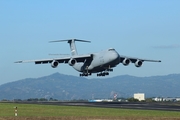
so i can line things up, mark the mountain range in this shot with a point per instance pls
(67, 87)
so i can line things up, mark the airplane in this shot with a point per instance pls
(101, 62)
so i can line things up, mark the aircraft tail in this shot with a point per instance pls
(72, 44)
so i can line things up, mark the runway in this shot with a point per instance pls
(127, 105)
(118, 105)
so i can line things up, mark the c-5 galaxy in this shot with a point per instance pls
(101, 62)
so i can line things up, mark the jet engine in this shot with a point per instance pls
(126, 62)
(138, 63)
(71, 62)
(54, 64)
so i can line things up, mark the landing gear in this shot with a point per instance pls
(84, 74)
(111, 70)
(104, 73)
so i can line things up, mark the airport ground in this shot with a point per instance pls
(88, 118)
(89, 111)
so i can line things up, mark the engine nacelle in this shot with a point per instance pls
(138, 63)
(126, 62)
(54, 64)
(71, 62)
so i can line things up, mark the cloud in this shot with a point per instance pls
(173, 46)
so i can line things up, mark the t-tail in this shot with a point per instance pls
(72, 44)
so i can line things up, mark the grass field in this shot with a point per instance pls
(52, 112)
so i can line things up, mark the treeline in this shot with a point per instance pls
(78, 100)
(84, 100)
(32, 99)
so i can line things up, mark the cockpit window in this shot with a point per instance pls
(111, 49)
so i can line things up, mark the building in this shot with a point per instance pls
(139, 96)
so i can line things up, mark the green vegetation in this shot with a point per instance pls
(31, 110)
(132, 100)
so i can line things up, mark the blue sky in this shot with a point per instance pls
(142, 28)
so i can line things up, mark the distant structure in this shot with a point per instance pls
(115, 96)
(164, 99)
(139, 96)
(101, 100)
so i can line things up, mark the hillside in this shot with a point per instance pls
(66, 87)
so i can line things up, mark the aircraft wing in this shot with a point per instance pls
(134, 59)
(79, 58)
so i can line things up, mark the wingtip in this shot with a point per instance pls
(159, 60)
(18, 62)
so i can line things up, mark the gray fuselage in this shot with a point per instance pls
(100, 62)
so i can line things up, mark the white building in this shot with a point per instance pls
(158, 99)
(139, 96)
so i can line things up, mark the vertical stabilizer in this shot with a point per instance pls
(72, 47)
(72, 44)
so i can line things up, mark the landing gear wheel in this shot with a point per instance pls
(107, 73)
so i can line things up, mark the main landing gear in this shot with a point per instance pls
(105, 72)
(84, 74)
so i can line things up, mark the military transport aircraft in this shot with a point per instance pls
(100, 63)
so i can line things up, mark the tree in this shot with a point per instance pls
(132, 100)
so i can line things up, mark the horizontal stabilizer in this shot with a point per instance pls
(72, 44)
(69, 40)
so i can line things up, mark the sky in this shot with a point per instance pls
(143, 28)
